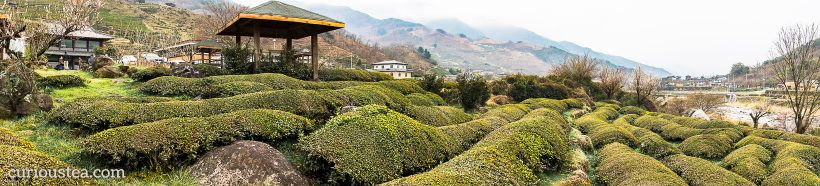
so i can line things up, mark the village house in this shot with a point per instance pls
(394, 68)
(76, 48)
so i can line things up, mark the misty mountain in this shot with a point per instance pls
(457, 27)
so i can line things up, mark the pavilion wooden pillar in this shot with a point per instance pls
(314, 55)
(288, 44)
(258, 51)
(238, 35)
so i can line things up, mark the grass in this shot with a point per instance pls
(94, 87)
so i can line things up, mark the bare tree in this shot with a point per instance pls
(218, 14)
(612, 81)
(644, 86)
(705, 102)
(798, 64)
(761, 109)
(577, 68)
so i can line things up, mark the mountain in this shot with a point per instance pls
(521, 34)
(455, 26)
(456, 44)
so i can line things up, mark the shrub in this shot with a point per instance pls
(574, 103)
(237, 59)
(241, 87)
(620, 165)
(335, 74)
(21, 158)
(391, 142)
(151, 73)
(206, 70)
(707, 145)
(507, 156)
(536, 103)
(61, 81)
(607, 133)
(10, 139)
(166, 141)
(315, 104)
(438, 115)
(787, 136)
(794, 164)
(425, 99)
(405, 86)
(698, 171)
(749, 162)
(432, 83)
(473, 91)
(655, 146)
(653, 123)
(509, 113)
(712, 124)
(468, 133)
(632, 110)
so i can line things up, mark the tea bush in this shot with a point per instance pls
(10, 139)
(374, 144)
(749, 161)
(21, 158)
(61, 81)
(620, 165)
(509, 112)
(426, 99)
(326, 74)
(632, 110)
(787, 136)
(700, 172)
(574, 103)
(507, 156)
(793, 164)
(438, 115)
(316, 104)
(556, 105)
(150, 73)
(707, 145)
(241, 87)
(166, 141)
(468, 133)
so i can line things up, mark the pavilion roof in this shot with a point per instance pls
(280, 20)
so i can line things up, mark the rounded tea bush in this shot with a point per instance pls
(749, 162)
(166, 141)
(698, 171)
(574, 103)
(61, 81)
(507, 156)
(632, 110)
(707, 146)
(509, 112)
(426, 99)
(241, 87)
(654, 145)
(150, 73)
(10, 139)
(334, 74)
(438, 115)
(374, 144)
(620, 165)
(21, 158)
(608, 133)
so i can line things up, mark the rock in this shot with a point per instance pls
(108, 72)
(186, 70)
(5, 113)
(44, 102)
(35, 103)
(700, 114)
(346, 109)
(246, 163)
(100, 62)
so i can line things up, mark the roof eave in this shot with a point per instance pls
(225, 28)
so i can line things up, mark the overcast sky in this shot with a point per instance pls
(695, 37)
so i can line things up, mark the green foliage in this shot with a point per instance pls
(237, 59)
(700, 172)
(335, 74)
(468, 133)
(426, 99)
(206, 70)
(794, 164)
(107, 50)
(652, 144)
(473, 91)
(787, 136)
(7, 138)
(633, 110)
(168, 141)
(707, 145)
(61, 81)
(574, 103)
(510, 112)
(150, 73)
(739, 69)
(438, 115)
(556, 105)
(390, 142)
(287, 64)
(315, 104)
(21, 158)
(521, 87)
(620, 165)
(241, 87)
(432, 83)
(749, 161)
(507, 156)
(17, 81)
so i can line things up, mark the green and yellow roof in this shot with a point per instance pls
(279, 20)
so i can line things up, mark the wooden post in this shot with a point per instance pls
(238, 35)
(288, 44)
(314, 55)
(210, 59)
(201, 57)
(258, 51)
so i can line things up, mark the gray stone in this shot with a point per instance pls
(346, 109)
(246, 163)
(700, 114)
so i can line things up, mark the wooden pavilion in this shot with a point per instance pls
(275, 19)
(191, 51)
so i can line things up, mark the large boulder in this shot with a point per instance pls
(100, 62)
(186, 70)
(700, 114)
(246, 163)
(108, 72)
(35, 103)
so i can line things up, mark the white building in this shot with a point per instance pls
(396, 69)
